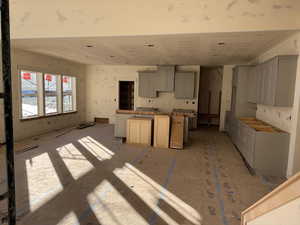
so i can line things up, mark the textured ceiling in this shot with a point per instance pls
(191, 49)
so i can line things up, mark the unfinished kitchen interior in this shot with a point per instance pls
(152, 112)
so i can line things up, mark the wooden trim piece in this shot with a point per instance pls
(101, 120)
(285, 193)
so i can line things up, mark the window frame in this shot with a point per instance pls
(38, 94)
(57, 94)
(73, 93)
(41, 94)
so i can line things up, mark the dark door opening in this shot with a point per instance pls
(210, 95)
(126, 95)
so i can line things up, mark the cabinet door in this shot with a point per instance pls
(271, 80)
(166, 76)
(286, 78)
(264, 83)
(184, 85)
(250, 146)
(147, 84)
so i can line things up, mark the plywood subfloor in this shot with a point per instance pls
(88, 177)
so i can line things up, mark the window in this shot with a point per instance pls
(29, 93)
(50, 93)
(126, 95)
(44, 94)
(68, 84)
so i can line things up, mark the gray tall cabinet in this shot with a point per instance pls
(239, 102)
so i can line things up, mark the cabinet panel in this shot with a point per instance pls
(147, 84)
(139, 131)
(177, 132)
(161, 131)
(184, 85)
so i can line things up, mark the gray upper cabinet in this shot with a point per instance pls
(165, 78)
(147, 84)
(184, 85)
(277, 84)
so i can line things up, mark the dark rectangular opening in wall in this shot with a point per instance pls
(126, 95)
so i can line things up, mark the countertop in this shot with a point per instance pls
(259, 125)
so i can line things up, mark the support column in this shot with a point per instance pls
(226, 94)
(294, 152)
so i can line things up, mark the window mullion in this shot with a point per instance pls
(74, 97)
(59, 94)
(41, 94)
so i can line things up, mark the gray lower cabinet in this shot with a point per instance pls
(184, 85)
(265, 152)
(277, 81)
(147, 84)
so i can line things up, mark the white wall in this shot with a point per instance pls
(102, 91)
(287, 214)
(24, 129)
(226, 94)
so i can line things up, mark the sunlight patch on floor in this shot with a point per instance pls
(96, 148)
(111, 208)
(43, 182)
(151, 192)
(77, 164)
(70, 219)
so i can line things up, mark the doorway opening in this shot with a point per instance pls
(210, 95)
(126, 95)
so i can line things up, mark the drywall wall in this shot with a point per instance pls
(286, 214)
(24, 129)
(226, 94)
(102, 91)
(280, 117)
(91, 18)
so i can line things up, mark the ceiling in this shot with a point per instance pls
(190, 49)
